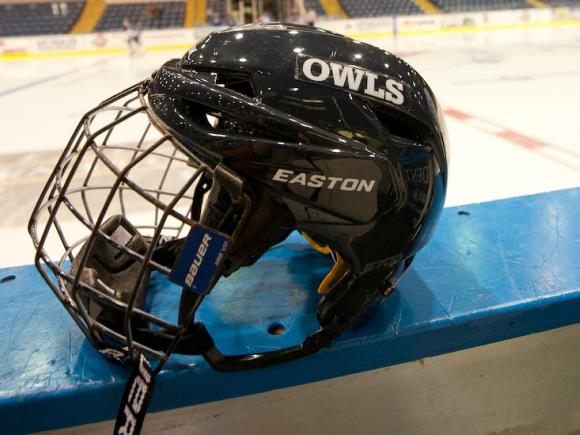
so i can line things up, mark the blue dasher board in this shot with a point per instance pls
(493, 271)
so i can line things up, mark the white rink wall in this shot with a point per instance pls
(414, 25)
(109, 42)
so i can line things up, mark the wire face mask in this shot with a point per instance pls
(122, 213)
(196, 172)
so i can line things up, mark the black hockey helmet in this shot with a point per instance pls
(256, 132)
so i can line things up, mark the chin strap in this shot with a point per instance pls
(136, 398)
(141, 382)
(196, 270)
(336, 314)
(313, 343)
(196, 266)
(139, 388)
(197, 273)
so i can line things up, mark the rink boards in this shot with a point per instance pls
(494, 271)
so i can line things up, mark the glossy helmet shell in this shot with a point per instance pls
(374, 161)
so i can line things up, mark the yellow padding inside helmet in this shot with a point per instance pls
(337, 271)
(322, 249)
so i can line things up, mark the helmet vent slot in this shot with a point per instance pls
(400, 125)
(218, 121)
(212, 119)
(236, 81)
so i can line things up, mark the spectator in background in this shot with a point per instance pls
(231, 20)
(153, 11)
(133, 38)
(213, 17)
(294, 16)
(59, 8)
(311, 17)
(266, 17)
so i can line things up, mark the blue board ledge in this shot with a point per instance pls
(493, 271)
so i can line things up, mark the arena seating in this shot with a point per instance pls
(142, 15)
(22, 19)
(564, 3)
(315, 4)
(480, 5)
(371, 8)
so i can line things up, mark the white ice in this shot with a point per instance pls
(523, 82)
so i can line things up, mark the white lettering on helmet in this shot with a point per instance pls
(342, 73)
(282, 175)
(395, 92)
(372, 88)
(324, 69)
(351, 77)
(316, 181)
(324, 182)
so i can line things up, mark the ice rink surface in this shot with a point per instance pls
(512, 99)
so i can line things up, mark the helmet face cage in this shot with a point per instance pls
(108, 216)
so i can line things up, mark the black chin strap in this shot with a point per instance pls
(337, 312)
(196, 340)
(313, 343)
(193, 340)
(136, 398)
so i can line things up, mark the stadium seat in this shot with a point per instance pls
(480, 5)
(371, 8)
(23, 19)
(142, 15)
(564, 3)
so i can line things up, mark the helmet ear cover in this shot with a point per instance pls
(347, 295)
(270, 223)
